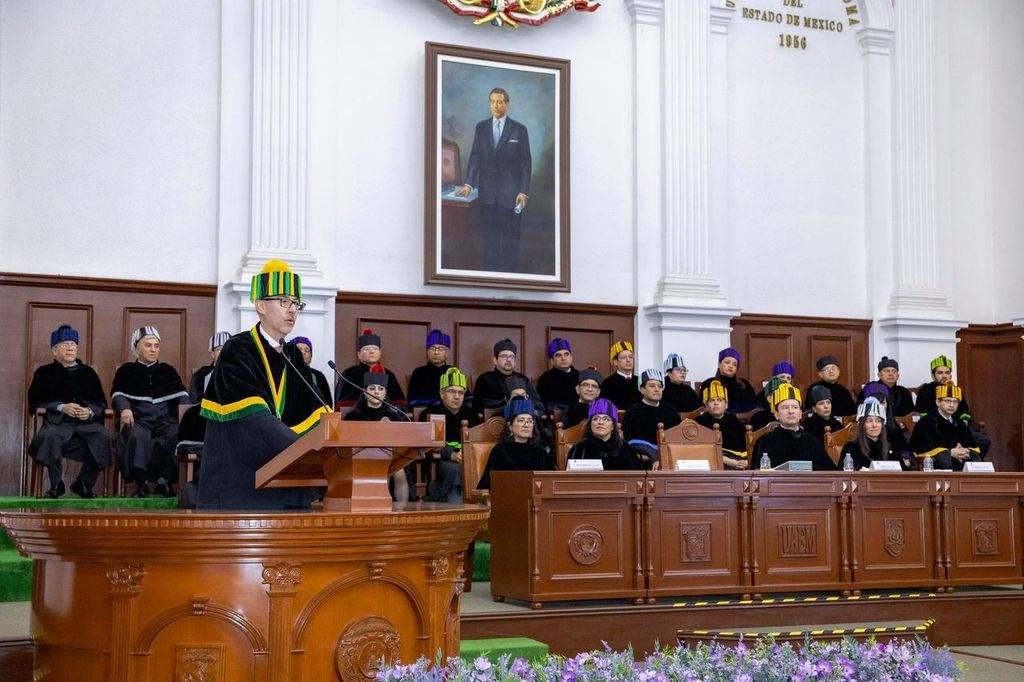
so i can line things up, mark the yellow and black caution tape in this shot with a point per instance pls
(881, 630)
(803, 600)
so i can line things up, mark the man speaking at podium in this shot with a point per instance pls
(255, 406)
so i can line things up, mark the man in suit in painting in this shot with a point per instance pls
(499, 168)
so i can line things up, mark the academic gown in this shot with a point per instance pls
(900, 400)
(197, 384)
(926, 402)
(254, 409)
(680, 397)
(425, 384)
(624, 392)
(862, 461)
(54, 385)
(577, 412)
(641, 421)
(447, 483)
(557, 387)
(346, 392)
(490, 391)
(934, 436)
(362, 412)
(784, 445)
(322, 385)
(511, 456)
(815, 425)
(741, 394)
(613, 453)
(152, 393)
(842, 399)
(734, 433)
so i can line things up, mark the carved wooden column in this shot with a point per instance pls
(281, 580)
(124, 582)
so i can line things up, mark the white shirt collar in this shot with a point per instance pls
(625, 376)
(148, 364)
(274, 343)
(501, 120)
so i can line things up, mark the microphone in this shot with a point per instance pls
(334, 368)
(308, 385)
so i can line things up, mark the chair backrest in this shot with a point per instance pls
(835, 440)
(477, 443)
(689, 440)
(565, 439)
(908, 422)
(745, 417)
(753, 436)
(848, 419)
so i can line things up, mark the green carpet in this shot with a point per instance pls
(492, 649)
(16, 570)
(482, 562)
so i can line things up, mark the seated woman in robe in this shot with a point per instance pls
(519, 448)
(872, 443)
(602, 440)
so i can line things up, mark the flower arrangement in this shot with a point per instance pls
(763, 661)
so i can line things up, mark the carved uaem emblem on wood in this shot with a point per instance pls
(362, 645)
(199, 663)
(695, 541)
(586, 544)
(511, 13)
(984, 537)
(798, 540)
(895, 537)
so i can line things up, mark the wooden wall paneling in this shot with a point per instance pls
(402, 348)
(589, 346)
(173, 327)
(474, 345)
(760, 353)
(839, 345)
(990, 368)
(43, 318)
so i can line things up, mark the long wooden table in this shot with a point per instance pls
(562, 536)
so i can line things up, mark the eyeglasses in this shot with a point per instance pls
(289, 303)
(601, 419)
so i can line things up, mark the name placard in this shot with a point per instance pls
(693, 465)
(584, 465)
(979, 466)
(795, 465)
(886, 466)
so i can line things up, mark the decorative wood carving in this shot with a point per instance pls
(124, 578)
(895, 536)
(695, 541)
(199, 663)
(984, 536)
(362, 646)
(798, 540)
(586, 545)
(282, 576)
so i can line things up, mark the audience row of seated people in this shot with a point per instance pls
(146, 394)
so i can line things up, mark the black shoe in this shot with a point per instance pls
(141, 490)
(164, 490)
(82, 490)
(56, 491)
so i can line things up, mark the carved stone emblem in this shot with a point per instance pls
(199, 663)
(586, 544)
(798, 540)
(985, 536)
(362, 645)
(895, 537)
(282, 576)
(695, 541)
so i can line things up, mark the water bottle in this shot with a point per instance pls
(928, 464)
(848, 462)
(766, 462)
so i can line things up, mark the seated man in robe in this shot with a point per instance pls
(900, 400)
(425, 378)
(201, 377)
(842, 399)
(789, 441)
(678, 394)
(640, 425)
(620, 386)
(305, 347)
(942, 373)
(734, 433)
(491, 391)
(368, 354)
(557, 386)
(741, 393)
(257, 403)
(820, 399)
(145, 395)
(72, 395)
(447, 485)
(588, 389)
(782, 370)
(764, 417)
(943, 436)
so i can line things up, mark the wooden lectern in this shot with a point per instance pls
(348, 458)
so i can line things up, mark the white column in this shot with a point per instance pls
(687, 310)
(278, 76)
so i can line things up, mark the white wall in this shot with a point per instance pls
(108, 138)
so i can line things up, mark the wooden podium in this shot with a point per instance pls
(132, 596)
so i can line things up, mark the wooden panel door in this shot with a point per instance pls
(983, 535)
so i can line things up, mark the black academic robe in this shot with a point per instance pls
(452, 421)
(153, 393)
(347, 393)
(577, 412)
(815, 426)
(842, 400)
(322, 385)
(425, 384)
(490, 391)
(614, 454)
(680, 397)
(254, 409)
(741, 394)
(783, 445)
(557, 387)
(641, 421)
(511, 456)
(362, 412)
(934, 436)
(197, 384)
(900, 401)
(734, 433)
(862, 461)
(623, 392)
(926, 402)
(54, 385)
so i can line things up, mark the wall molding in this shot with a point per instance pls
(359, 298)
(18, 279)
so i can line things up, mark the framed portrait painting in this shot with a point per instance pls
(497, 169)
